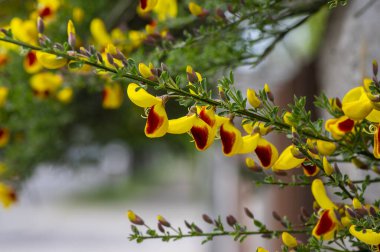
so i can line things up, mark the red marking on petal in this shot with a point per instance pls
(200, 135)
(143, 4)
(45, 12)
(309, 169)
(2, 132)
(104, 94)
(3, 60)
(153, 122)
(325, 224)
(206, 118)
(346, 125)
(31, 58)
(264, 153)
(228, 140)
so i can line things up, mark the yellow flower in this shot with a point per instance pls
(99, 32)
(112, 96)
(25, 31)
(134, 218)
(231, 139)
(3, 58)
(45, 84)
(287, 161)
(368, 236)
(50, 61)
(325, 148)
(7, 195)
(356, 105)
(146, 71)
(260, 249)
(205, 127)
(3, 95)
(252, 98)
(356, 203)
(31, 64)
(289, 240)
(47, 9)
(286, 118)
(157, 122)
(339, 126)
(250, 126)
(195, 9)
(319, 193)
(4, 137)
(326, 225)
(181, 125)
(78, 14)
(166, 9)
(266, 152)
(65, 95)
(327, 166)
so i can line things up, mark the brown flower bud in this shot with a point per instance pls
(160, 227)
(276, 216)
(248, 213)
(163, 221)
(207, 219)
(231, 220)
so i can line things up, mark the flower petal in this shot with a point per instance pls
(112, 96)
(356, 105)
(287, 161)
(157, 121)
(289, 240)
(368, 236)
(231, 139)
(202, 134)
(319, 193)
(326, 225)
(325, 148)
(266, 152)
(50, 61)
(310, 170)
(249, 143)
(141, 97)
(181, 125)
(7, 195)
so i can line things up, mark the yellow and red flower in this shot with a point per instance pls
(157, 120)
(45, 84)
(326, 225)
(266, 152)
(4, 136)
(31, 64)
(338, 127)
(112, 96)
(7, 195)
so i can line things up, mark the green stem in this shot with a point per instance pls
(225, 233)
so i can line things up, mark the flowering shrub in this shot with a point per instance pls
(350, 135)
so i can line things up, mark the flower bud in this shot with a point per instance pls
(99, 57)
(134, 218)
(289, 240)
(231, 221)
(163, 221)
(187, 224)
(268, 92)
(375, 67)
(276, 216)
(40, 25)
(160, 227)
(248, 213)
(207, 219)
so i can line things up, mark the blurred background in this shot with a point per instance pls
(80, 166)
